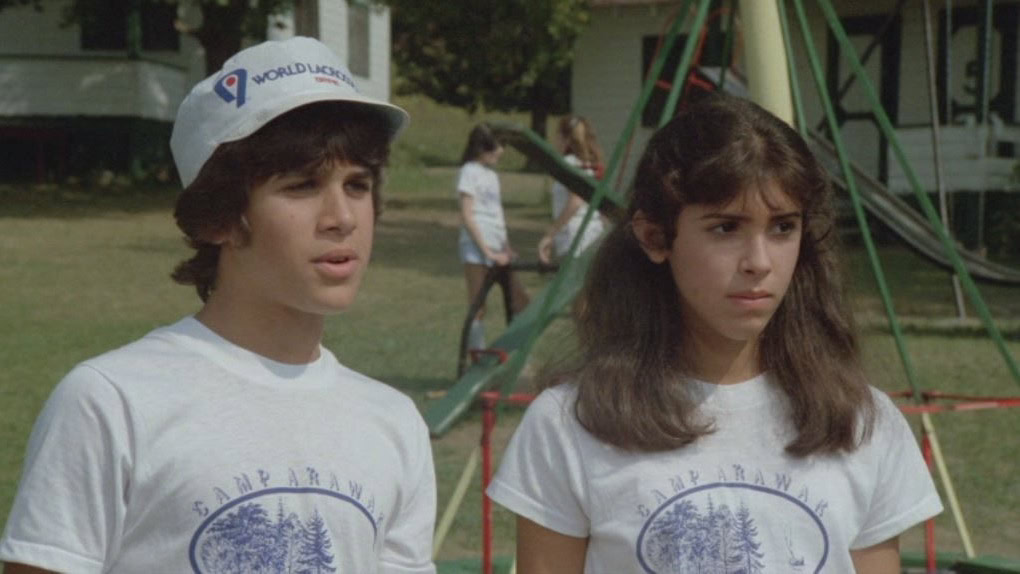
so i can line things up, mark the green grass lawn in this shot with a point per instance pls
(85, 271)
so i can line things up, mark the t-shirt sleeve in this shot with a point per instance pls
(468, 180)
(69, 509)
(904, 493)
(541, 476)
(407, 548)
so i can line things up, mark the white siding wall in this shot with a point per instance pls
(378, 84)
(606, 80)
(333, 33)
(44, 71)
(27, 32)
(90, 87)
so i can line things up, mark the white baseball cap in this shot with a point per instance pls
(255, 86)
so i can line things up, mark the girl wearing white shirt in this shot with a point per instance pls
(717, 417)
(580, 149)
(483, 239)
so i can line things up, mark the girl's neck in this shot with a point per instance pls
(722, 361)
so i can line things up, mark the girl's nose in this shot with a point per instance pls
(756, 259)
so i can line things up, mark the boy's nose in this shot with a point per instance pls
(337, 214)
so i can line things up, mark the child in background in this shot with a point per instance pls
(232, 441)
(483, 239)
(717, 418)
(580, 149)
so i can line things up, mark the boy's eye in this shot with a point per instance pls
(301, 185)
(359, 186)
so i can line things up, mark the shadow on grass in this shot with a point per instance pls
(69, 202)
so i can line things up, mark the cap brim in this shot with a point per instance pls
(395, 117)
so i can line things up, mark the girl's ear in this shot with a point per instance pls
(650, 236)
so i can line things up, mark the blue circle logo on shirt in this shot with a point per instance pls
(696, 532)
(272, 530)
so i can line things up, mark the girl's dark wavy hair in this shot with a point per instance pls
(628, 317)
(480, 140)
(305, 138)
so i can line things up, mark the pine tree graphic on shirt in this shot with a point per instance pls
(247, 540)
(682, 539)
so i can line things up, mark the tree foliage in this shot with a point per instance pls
(512, 55)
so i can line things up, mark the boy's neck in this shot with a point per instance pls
(278, 334)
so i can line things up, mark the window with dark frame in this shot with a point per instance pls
(105, 26)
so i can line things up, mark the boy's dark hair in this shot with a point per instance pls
(480, 140)
(305, 138)
(630, 323)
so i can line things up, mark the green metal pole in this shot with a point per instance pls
(922, 197)
(517, 361)
(855, 199)
(680, 77)
(798, 103)
(646, 94)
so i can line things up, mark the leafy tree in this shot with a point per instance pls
(512, 55)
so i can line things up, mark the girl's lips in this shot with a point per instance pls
(752, 301)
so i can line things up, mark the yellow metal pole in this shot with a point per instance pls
(768, 80)
(455, 501)
(947, 484)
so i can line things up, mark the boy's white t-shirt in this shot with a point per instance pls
(182, 452)
(482, 184)
(566, 234)
(732, 501)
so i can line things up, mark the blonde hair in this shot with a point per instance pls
(581, 141)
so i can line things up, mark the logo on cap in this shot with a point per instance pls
(231, 87)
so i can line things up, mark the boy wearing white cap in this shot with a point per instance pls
(232, 441)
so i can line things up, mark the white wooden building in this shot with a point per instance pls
(68, 93)
(615, 49)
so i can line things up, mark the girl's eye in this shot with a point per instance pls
(725, 227)
(785, 227)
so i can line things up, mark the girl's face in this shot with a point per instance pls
(491, 157)
(732, 264)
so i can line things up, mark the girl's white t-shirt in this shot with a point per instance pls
(731, 502)
(563, 238)
(482, 184)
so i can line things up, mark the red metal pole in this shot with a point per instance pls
(488, 422)
(929, 525)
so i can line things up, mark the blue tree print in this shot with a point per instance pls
(669, 536)
(682, 540)
(237, 541)
(747, 555)
(315, 557)
(246, 541)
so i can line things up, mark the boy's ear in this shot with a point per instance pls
(228, 235)
(650, 236)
